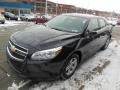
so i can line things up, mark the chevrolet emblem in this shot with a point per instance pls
(13, 49)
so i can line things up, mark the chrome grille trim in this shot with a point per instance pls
(19, 49)
(19, 46)
(13, 56)
(23, 53)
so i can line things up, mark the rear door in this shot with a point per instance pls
(91, 39)
(103, 32)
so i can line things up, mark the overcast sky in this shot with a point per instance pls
(104, 5)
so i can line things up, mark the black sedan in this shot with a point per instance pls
(56, 48)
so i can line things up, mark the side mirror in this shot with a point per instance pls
(93, 32)
(111, 24)
(88, 32)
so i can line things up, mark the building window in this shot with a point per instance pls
(38, 4)
(43, 4)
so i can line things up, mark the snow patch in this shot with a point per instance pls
(8, 75)
(11, 23)
(101, 72)
(20, 85)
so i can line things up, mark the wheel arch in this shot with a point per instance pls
(79, 53)
(80, 59)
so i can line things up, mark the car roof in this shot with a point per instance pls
(83, 15)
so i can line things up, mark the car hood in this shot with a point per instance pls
(40, 35)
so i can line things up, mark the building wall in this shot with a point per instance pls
(39, 7)
(14, 8)
(9, 0)
(2, 10)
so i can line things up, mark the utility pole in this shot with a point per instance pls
(61, 8)
(19, 2)
(76, 8)
(56, 7)
(34, 7)
(46, 10)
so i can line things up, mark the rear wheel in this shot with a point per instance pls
(36, 22)
(70, 66)
(3, 22)
(16, 19)
(106, 44)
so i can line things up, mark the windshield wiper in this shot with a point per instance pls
(56, 29)
(44, 24)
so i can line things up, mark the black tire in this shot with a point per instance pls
(66, 74)
(27, 19)
(3, 22)
(7, 18)
(16, 19)
(36, 23)
(106, 44)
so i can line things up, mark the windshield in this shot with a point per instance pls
(10, 14)
(67, 23)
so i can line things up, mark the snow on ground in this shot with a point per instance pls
(101, 72)
(11, 23)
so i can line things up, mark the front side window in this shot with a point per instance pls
(67, 23)
(93, 25)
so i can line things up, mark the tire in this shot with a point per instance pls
(7, 19)
(26, 19)
(70, 66)
(16, 19)
(36, 23)
(106, 44)
(3, 22)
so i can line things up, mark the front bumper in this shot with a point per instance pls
(35, 69)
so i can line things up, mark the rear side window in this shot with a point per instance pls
(93, 25)
(102, 23)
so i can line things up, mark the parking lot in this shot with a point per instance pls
(8, 77)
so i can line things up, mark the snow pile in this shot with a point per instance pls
(20, 85)
(13, 87)
(11, 23)
(110, 77)
(101, 72)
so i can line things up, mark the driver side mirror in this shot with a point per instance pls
(93, 32)
(88, 32)
(111, 24)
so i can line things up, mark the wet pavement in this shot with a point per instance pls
(7, 76)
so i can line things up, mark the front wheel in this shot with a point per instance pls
(36, 22)
(70, 66)
(3, 22)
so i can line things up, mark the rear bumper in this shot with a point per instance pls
(40, 20)
(2, 20)
(118, 23)
(36, 69)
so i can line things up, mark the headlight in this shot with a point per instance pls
(46, 54)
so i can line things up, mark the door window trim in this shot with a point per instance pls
(93, 29)
(100, 24)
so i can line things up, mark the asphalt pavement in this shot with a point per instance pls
(7, 76)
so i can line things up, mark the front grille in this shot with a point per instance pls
(17, 52)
